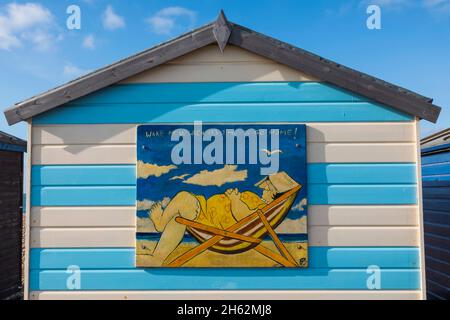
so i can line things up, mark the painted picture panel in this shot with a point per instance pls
(221, 195)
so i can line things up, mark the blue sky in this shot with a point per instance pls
(38, 52)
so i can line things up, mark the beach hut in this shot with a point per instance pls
(436, 207)
(11, 214)
(365, 229)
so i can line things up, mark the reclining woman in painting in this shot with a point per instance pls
(220, 211)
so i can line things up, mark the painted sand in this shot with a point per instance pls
(210, 259)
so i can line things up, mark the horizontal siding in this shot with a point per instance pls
(217, 92)
(318, 194)
(221, 112)
(317, 216)
(208, 64)
(354, 146)
(319, 257)
(315, 132)
(91, 237)
(220, 102)
(226, 279)
(316, 153)
(318, 173)
(83, 216)
(228, 295)
(220, 71)
(436, 205)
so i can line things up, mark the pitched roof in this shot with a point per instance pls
(224, 32)
(441, 138)
(12, 143)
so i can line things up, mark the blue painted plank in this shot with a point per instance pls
(436, 148)
(436, 193)
(220, 92)
(361, 173)
(68, 175)
(436, 158)
(435, 183)
(320, 194)
(12, 147)
(441, 205)
(226, 279)
(436, 169)
(238, 113)
(319, 257)
(98, 258)
(83, 196)
(317, 194)
(444, 177)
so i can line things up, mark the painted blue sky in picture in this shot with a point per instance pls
(154, 146)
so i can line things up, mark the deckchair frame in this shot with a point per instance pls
(283, 256)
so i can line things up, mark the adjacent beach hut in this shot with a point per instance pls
(436, 206)
(364, 179)
(11, 214)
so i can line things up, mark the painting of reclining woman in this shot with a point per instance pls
(223, 213)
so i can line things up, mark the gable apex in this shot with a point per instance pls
(223, 32)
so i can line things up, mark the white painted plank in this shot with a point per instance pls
(361, 152)
(210, 65)
(219, 72)
(363, 236)
(317, 153)
(226, 295)
(361, 132)
(84, 154)
(84, 134)
(316, 132)
(83, 217)
(363, 216)
(318, 236)
(317, 216)
(82, 237)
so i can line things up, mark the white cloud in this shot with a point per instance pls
(89, 42)
(112, 21)
(289, 226)
(144, 204)
(300, 206)
(217, 177)
(72, 71)
(29, 22)
(145, 170)
(438, 6)
(147, 204)
(167, 19)
(393, 4)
